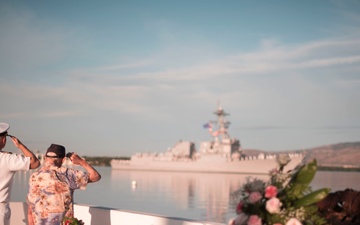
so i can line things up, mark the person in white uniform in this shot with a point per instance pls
(9, 164)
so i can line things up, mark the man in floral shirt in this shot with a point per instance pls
(51, 188)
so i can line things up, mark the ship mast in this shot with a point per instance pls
(222, 143)
(222, 124)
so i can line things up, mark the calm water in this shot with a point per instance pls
(198, 196)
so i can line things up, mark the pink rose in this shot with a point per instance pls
(270, 191)
(254, 220)
(254, 197)
(293, 221)
(273, 205)
(239, 207)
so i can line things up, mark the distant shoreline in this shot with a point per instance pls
(105, 161)
(337, 168)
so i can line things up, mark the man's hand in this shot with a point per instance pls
(16, 141)
(76, 159)
(93, 174)
(34, 161)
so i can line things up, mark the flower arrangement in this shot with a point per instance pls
(286, 199)
(71, 221)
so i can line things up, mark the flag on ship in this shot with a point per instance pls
(207, 125)
(215, 133)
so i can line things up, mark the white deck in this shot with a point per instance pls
(104, 216)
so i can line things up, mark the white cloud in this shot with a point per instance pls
(53, 73)
(109, 88)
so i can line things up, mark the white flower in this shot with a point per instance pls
(273, 205)
(293, 221)
(231, 222)
(283, 159)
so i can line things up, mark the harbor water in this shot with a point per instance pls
(197, 196)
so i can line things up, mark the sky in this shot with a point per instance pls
(112, 78)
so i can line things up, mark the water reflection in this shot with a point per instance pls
(336, 180)
(20, 186)
(198, 196)
(208, 192)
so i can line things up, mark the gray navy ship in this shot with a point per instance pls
(222, 154)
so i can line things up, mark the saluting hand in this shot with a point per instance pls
(76, 159)
(16, 141)
(94, 175)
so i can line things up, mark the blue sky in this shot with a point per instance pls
(111, 78)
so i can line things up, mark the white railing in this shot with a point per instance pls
(92, 215)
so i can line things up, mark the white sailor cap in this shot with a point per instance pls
(3, 128)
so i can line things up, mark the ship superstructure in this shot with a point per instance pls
(222, 154)
(222, 144)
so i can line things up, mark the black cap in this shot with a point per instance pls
(55, 151)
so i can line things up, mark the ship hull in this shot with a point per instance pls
(251, 166)
(222, 154)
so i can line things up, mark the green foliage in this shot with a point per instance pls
(312, 198)
(299, 182)
(286, 197)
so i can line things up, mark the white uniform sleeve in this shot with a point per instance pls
(18, 162)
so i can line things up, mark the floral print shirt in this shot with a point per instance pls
(51, 192)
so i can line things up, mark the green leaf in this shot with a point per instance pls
(312, 198)
(305, 174)
(300, 181)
